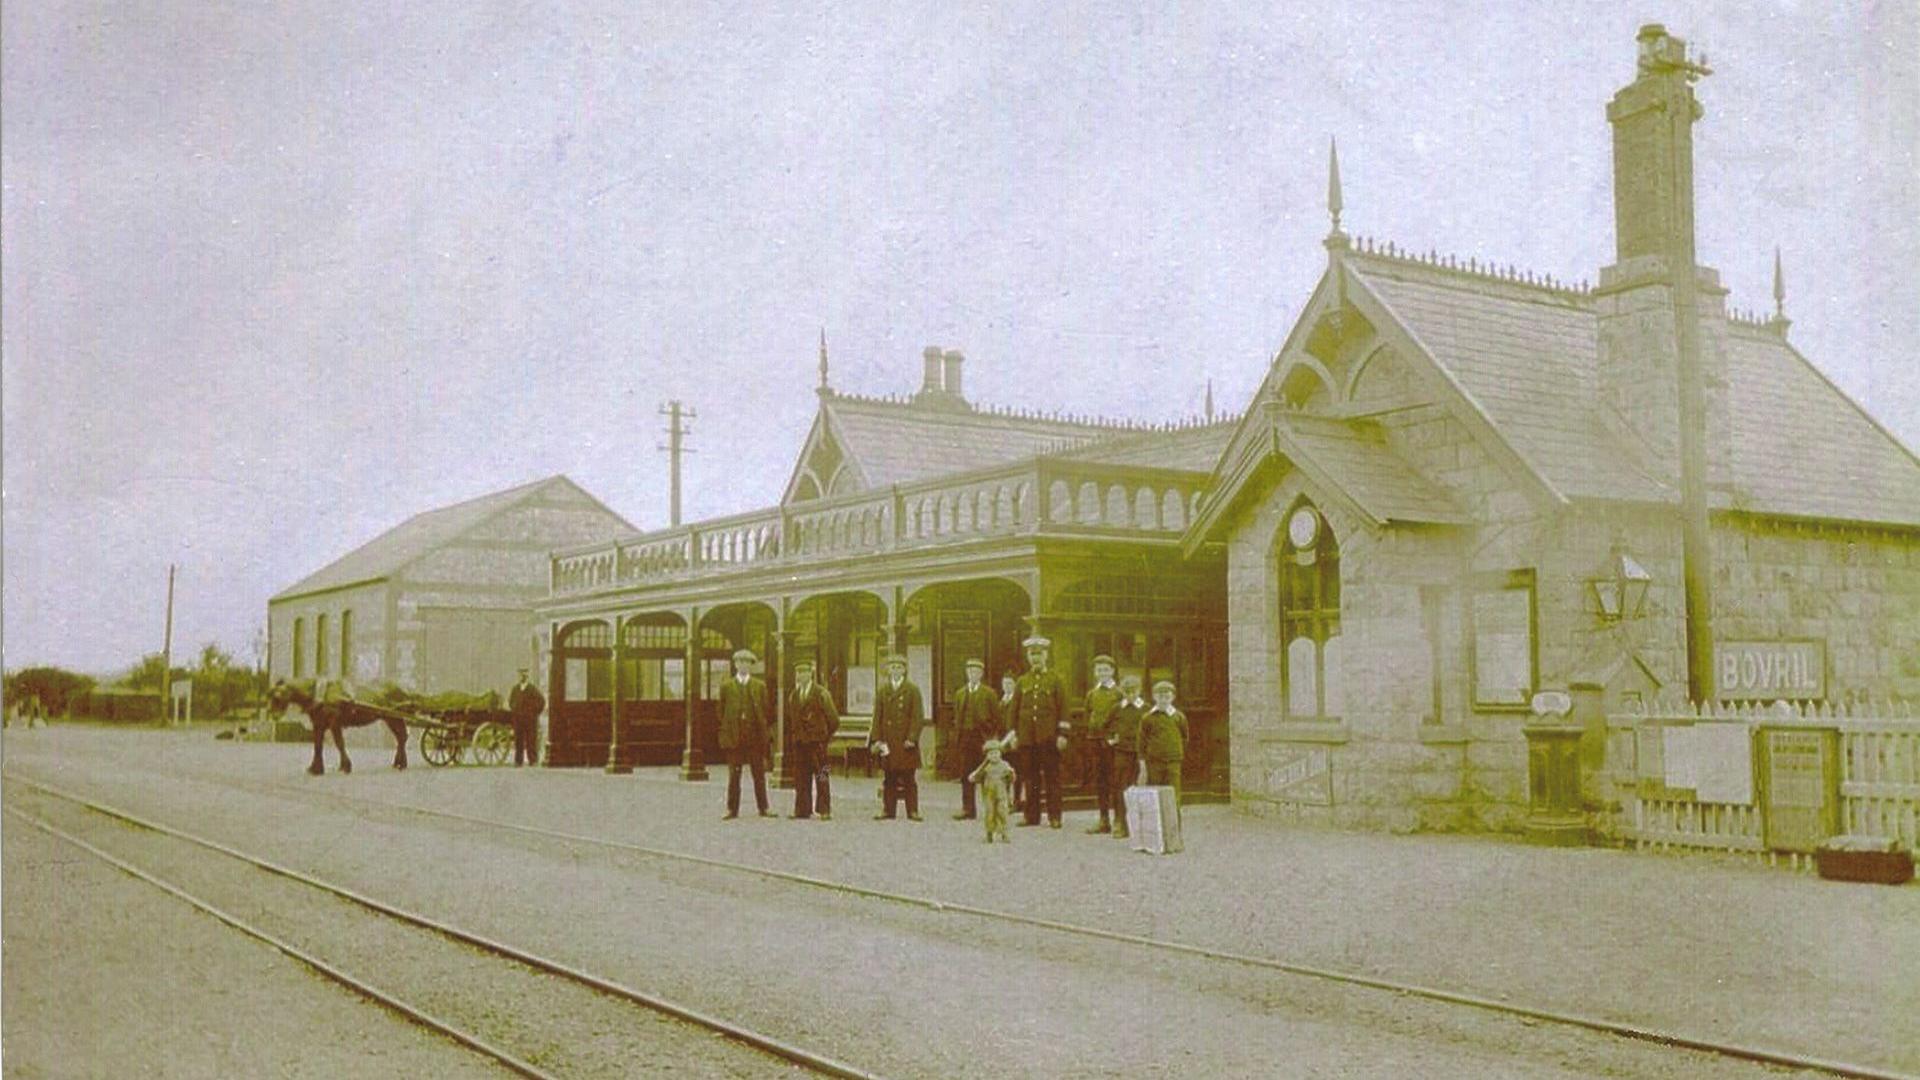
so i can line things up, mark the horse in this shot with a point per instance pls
(336, 716)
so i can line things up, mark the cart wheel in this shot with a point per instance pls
(492, 744)
(438, 746)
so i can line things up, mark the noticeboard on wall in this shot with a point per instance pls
(1800, 768)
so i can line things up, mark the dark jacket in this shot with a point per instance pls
(1101, 701)
(1040, 708)
(897, 715)
(1163, 736)
(976, 718)
(525, 702)
(811, 717)
(743, 713)
(1123, 726)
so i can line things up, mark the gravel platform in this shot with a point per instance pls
(903, 991)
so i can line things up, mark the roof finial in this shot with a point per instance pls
(1780, 321)
(1209, 401)
(1333, 182)
(1779, 287)
(823, 359)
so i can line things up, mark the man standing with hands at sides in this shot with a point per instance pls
(976, 718)
(1041, 727)
(1102, 698)
(897, 714)
(524, 704)
(812, 720)
(743, 732)
(1123, 742)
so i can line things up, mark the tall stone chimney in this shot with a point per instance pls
(950, 380)
(1639, 346)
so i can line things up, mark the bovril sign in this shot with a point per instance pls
(1771, 670)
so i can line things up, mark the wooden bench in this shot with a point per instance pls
(851, 739)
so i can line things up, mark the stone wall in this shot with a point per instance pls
(368, 603)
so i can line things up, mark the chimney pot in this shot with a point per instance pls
(951, 379)
(930, 377)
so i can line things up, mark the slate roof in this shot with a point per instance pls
(386, 554)
(895, 442)
(1193, 448)
(1527, 358)
(1353, 457)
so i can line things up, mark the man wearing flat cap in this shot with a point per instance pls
(744, 714)
(1040, 727)
(897, 715)
(976, 718)
(811, 723)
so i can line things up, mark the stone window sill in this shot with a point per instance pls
(1323, 731)
(1441, 734)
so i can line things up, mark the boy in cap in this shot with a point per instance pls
(1040, 728)
(897, 715)
(1163, 740)
(1123, 744)
(994, 776)
(1100, 703)
(744, 713)
(976, 718)
(812, 721)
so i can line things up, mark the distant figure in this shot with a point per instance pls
(976, 718)
(524, 704)
(897, 715)
(994, 777)
(812, 721)
(744, 712)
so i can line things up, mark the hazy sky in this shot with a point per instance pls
(277, 276)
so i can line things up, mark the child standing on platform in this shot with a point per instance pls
(993, 780)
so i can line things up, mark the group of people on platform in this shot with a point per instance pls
(1015, 737)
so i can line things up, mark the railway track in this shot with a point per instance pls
(518, 965)
(1630, 1031)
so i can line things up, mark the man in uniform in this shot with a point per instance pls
(1123, 743)
(811, 721)
(897, 715)
(524, 704)
(1041, 727)
(976, 718)
(1101, 700)
(743, 732)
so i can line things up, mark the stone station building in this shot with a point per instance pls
(1460, 485)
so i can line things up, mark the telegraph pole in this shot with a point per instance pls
(1678, 74)
(677, 432)
(166, 656)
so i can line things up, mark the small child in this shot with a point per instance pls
(992, 779)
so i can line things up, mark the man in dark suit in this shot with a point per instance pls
(897, 715)
(524, 704)
(744, 713)
(976, 718)
(811, 722)
(1040, 728)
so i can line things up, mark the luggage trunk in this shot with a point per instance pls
(1153, 820)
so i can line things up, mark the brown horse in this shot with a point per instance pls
(336, 716)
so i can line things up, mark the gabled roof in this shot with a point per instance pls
(899, 442)
(1194, 448)
(390, 552)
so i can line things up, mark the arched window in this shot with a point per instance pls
(1309, 597)
(299, 648)
(320, 644)
(346, 644)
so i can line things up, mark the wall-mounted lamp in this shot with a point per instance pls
(1621, 593)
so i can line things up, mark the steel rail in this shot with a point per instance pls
(1622, 1029)
(410, 1012)
(779, 1048)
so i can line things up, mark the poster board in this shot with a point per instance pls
(860, 684)
(1800, 772)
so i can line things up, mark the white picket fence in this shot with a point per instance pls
(1879, 761)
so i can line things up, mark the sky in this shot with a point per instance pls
(276, 277)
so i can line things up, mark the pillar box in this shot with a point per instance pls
(1556, 815)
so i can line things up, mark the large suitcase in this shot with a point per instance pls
(1153, 819)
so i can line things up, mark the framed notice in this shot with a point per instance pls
(1501, 611)
(860, 682)
(1800, 768)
